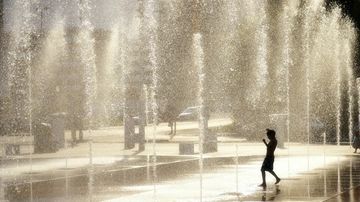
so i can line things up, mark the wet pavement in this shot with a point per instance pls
(160, 173)
(228, 182)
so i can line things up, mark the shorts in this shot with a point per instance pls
(268, 164)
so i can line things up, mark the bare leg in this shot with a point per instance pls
(277, 178)
(263, 179)
(171, 127)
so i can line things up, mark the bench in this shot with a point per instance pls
(12, 149)
(188, 148)
(9, 149)
(209, 145)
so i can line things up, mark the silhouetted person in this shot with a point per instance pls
(76, 124)
(356, 142)
(268, 164)
(171, 125)
(171, 117)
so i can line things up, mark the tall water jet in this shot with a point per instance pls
(306, 64)
(52, 54)
(87, 55)
(151, 30)
(257, 66)
(287, 22)
(347, 47)
(198, 63)
(261, 72)
(339, 76)
(111, 81)
(20, 60)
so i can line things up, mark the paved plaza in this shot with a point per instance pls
(161, 173)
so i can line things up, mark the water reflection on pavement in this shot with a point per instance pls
(221, 183)
(308, 172)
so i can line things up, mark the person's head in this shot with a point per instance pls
(270, 133)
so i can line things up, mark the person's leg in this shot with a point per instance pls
(263, 178)
(81, 135)
(264, 167)
(277, 178)
(170, 124)
(73, 137)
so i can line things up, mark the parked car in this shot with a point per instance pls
(189, 114)
(137, 119)
(149, 119)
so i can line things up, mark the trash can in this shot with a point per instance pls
(57, 122)
(210, 142)
(43, 139)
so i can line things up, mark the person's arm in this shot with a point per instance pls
(264, 141)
